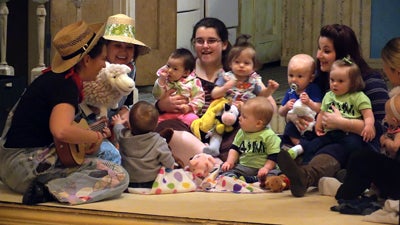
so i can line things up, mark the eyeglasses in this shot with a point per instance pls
(201, 41)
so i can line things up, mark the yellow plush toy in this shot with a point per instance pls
(207, 121)
(219, 118)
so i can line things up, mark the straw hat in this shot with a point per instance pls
(73, 42)
(121, 28)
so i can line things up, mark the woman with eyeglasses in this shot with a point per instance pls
(211, 44)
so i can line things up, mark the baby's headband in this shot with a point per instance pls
(393, 107)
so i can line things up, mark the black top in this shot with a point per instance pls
(30, 125)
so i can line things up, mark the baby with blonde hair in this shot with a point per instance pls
(255, 148)
(303, 98)
(390, 140)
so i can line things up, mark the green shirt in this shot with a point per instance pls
(254, 148)
(350, 105)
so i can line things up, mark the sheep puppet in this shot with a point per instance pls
(112, 83)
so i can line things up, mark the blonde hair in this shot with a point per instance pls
(394, 105)
(390, 53)
(394, 91)
(143, 118)
(302, 60)
(261, 108)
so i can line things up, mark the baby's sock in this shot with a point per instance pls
(295, 151)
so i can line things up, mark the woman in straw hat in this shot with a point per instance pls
(29, 161)
(123, 48)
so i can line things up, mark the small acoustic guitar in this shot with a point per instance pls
(74, 154)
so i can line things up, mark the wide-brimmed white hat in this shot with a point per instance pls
(121, 28)
(73, 42)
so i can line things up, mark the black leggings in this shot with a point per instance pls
(366, 167)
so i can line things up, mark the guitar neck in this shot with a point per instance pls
(99, 124)
(74, 154)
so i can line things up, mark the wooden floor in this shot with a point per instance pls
(182, 208)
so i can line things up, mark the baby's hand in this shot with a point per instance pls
(304, 98)
(289, 104)
(163, 71)
(391, 152)
(117, 119)
(226, 166)
(185, 109)
(263, 171)
(230, 83)
(273, 86)
(106, 132)
(270, 89)
(162, 74)
(162, 80)
(368, 133)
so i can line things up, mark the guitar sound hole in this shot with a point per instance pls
(77, 148)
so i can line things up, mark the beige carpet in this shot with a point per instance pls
(227, 208)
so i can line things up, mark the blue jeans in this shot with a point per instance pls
(109, 152)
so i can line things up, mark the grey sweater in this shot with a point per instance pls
(143, 155)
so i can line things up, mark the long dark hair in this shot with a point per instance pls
(222, 31)
(345, 44)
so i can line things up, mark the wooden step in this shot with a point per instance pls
(181, 208)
